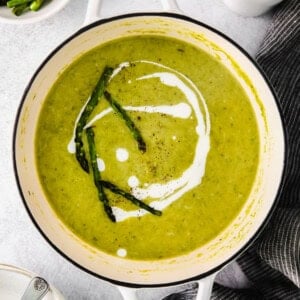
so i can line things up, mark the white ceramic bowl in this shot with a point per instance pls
(46, 11)
(251, 8)
(14, 281)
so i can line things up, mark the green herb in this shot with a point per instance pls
(20, 6)
(13, 3)
(35, 5)
(18, 10)
(96, 174)
(130, 124)
(113, 188)
(92, 103)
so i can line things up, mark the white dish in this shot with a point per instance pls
(14, 281)
(46, 11)
(251, 8)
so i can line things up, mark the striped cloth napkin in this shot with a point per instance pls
(272, 264)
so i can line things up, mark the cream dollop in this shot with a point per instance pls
(100, 164)
(122, 154)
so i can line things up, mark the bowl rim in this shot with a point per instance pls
(252, 238)
(14, 269)
(35, 16)
(20, 271)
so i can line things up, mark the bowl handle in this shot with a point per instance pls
(127, 293)
(171, 6)
(203, 293)
(205, 287)
(93, 11)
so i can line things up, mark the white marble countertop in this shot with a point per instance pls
(22, 49)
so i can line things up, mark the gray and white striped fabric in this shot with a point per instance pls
(272, 264)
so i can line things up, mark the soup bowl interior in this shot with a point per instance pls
(242, 229)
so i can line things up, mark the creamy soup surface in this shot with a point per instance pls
(201, 156)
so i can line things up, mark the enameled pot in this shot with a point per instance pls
(203, 263)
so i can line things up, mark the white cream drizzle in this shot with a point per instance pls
(118, 69)
(180, 110)
(167, 193)
(122, 154)
(122, 252)
(72, 145)
(133, 181)
(100, 164)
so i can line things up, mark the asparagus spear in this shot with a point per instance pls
(92, 103)
(35, 5)
(97, 177)
(122, 113)
(19, 6)
(13, 3)
(130, 197)
(18, 10)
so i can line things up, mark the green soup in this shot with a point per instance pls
(201, 157)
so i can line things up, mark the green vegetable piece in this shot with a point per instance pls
(13, 3)
(18, 10)
(92, 103)
(113, 188)
(130, 124)
(36, 5)
(96, 174)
